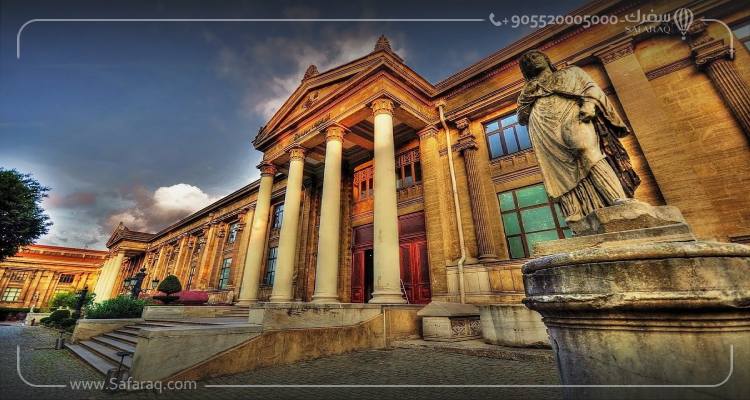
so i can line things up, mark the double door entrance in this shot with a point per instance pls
(415, 268)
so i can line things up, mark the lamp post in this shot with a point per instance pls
(137, 282)
(81, 301)
(155, 283)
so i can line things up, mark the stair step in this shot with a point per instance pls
(125, 337)
(128, 331)
(148, 324)
(114, 343)
(99, 363)
(106, 352)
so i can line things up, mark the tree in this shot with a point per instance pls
(22, 219)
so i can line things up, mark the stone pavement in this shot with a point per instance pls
(40, 364)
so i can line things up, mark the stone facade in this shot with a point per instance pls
(33, 276)
(689, 146)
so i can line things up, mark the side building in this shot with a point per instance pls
(380, 186)
(36, 273)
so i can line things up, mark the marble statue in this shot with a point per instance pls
(575, 133)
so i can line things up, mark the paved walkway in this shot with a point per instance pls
(40, 364)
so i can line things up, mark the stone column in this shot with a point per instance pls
(467, 144)
(387, 268)
(716, 59)
(434, 195)
(102, 277)
(327, 271)
(668, 159)
(282, 285)
(256, 245)
(109, 277)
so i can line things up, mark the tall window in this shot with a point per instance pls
(529, 216)
(270, 266)
(278, 216)
(233, 229)
(226, 268)
(11, 294)
(408, 169)
(363, 184)
(743, 33)
(66, 278)
(506, 136)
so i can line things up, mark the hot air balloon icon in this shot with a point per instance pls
(682, 19)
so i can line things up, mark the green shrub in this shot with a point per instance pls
(67, 322)
(58, 315)
(69, 299)
(44, 320)
(63, 299)
(119, 307)
(171, 284)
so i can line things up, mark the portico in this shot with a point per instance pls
(333, 145)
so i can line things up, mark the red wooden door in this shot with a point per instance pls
(358, 276)
(415, 271)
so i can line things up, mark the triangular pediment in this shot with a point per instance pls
(121, 232)
(319, 89)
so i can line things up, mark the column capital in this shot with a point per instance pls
(267, 169)
(382, 106)
(466, 142)
(615, 51)
(335, 132)
(707, 50)
(427, 132)
(297, 152)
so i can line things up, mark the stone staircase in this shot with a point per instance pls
(235, 312)
(100, 352)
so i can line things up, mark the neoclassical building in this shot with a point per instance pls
(36, 273)
(380, 186)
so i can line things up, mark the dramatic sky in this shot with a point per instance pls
(145, 122)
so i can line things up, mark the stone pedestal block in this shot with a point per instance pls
(665, 318)
(450, 322)
(512, 325)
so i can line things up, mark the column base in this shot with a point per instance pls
(387, 298)
(280, 299)
(325, 299)
(246, 302)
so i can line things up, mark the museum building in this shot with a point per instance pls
(36, 273)
(380, 186)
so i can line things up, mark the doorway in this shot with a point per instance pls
(414, 263)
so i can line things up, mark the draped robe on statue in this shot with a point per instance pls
(583, 164)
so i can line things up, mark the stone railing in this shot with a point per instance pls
(220, 296)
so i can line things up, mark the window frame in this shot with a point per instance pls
(745, 40)
(278, 216)
(269, 275)
(552, 205)
(225, 267)
(408, 162)
(234, 229)
(501, 136)
(16, 291)
(69, 278)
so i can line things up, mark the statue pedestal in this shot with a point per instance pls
(639, 301)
